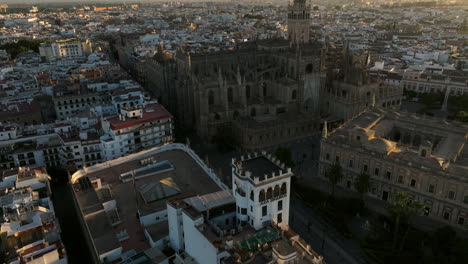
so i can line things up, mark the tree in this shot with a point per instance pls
(285, 156)
(362, 185)
(334, 174)
(403, 208)
(316, 8)
(462, 116)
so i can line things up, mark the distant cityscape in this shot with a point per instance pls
(222, 132)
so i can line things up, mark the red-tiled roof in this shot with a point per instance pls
(151, 112)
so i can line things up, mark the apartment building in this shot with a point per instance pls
(136, 128)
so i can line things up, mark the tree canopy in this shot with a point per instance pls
(15, 48)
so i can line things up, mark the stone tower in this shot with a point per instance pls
(299, 23)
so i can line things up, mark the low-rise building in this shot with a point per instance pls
(434, 80)
(424, 157)
(69, 48)
(29, 227)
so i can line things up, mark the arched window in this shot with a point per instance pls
(230, 97)
(235, 115)
(407, 138)
(293, 95)
(247, 92)
(253, 112)
(251, 195)
(309, 68)
(264, 87)
(283, 189)
(217, 117)
(261, 196)
(397, 135)
(276, 191)
(417, 141)
(210, 98)
(269, 193)
(423, 153)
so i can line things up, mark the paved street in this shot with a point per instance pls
(323, 238)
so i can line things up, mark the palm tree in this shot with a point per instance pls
(404, 208)
(362, 185)
(334, 174)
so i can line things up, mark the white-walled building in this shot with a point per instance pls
(28, 224)
(261, 187)
(70, 48)
(136, 128)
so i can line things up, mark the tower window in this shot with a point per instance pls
(280, 205)
(264, 210)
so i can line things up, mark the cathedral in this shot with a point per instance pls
(266, 92)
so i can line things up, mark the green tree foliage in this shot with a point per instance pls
(410, 94)
(285, 156)
(250, 16)
(462, 116)
(15, 48)
(403, 209)
(316, 8)
(334, 174)
(432, 99)
(447, 247)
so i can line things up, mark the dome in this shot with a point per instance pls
(381, 145)
(364, 133)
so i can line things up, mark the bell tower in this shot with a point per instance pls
(299, 22)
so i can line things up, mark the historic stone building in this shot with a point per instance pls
(424, 157)
(266, 92)
(350, 88)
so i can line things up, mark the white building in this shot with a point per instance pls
(136, 128)
(70, 48)
(261, 187)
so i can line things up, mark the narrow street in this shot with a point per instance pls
(72, 236)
